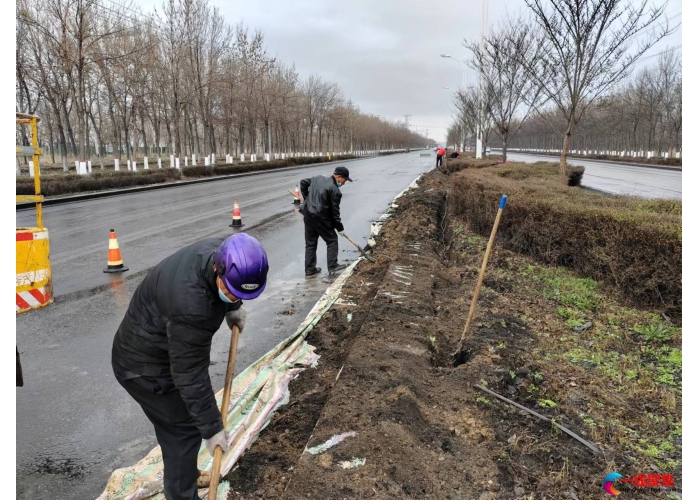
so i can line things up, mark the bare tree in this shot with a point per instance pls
(641, 113)
(123, 80)
(471, 118)
(586, 47)
(512, 93)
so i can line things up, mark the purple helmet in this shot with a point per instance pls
(241, 262)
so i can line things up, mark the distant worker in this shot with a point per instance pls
(440, 153)
(455, 154)
(321, 210)
(161, 351)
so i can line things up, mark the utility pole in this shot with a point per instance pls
(484, 28)
(407, 120)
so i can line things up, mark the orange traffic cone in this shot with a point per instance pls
(236, 217)
(114, 256)
(297, 196)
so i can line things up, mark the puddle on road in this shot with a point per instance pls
(68, 468)
(119, 291)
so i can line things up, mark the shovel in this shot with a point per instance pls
(218, 452)
(365, 254)
(459, 356)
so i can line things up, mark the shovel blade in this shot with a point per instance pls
(461, 355)
(367, 256)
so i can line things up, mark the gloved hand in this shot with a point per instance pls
(237, 318)
(341, 233)
(218, 439)
(341, 228)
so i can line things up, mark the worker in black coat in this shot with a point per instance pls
(161, 351)
(321, 210)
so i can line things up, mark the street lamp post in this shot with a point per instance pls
(464, 73)
(464, 86)
(484, 27)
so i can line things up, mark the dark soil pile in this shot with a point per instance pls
(422, 429)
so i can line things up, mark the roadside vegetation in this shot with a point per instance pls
(654, 160)
(555, 335)
(631, 244)
(59, 183)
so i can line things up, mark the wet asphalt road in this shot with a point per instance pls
(75, 424)
(620, 179)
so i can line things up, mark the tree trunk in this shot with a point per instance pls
(156, 131)
(198, 146)
(504, 155)
(562, 158)
(100, 145)
(69, 129)
(61, 135)
(170, 135)
(143, 133)
(53, 157)
(127, 146)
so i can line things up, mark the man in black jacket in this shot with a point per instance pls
(161, 350)
(321, 210)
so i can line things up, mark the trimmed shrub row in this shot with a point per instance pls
(53, 185)
(98, 180)
(630, 243)
(453, 165)
(670, 162)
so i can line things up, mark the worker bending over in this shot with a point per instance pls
(161, 350)
(321, 210)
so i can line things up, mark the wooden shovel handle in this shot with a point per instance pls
(482, 272)
(300, 198)
(218, 452)
(350, 240)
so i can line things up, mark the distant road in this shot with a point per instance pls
(620, 179)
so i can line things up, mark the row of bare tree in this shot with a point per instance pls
(107, 79)
(645, 114)
(558, 76)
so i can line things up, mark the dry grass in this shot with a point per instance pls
(618, 383)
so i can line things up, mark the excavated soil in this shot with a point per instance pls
(422, 429)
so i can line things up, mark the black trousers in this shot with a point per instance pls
(178, 437)
(438, 161)
(312, 230)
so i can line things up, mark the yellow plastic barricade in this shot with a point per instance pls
(34, 288)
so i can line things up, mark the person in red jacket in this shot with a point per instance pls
(440, 153)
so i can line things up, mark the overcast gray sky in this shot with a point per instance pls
(385, 54)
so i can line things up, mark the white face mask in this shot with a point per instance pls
(224, 297)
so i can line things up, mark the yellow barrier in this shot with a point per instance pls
(34, 288)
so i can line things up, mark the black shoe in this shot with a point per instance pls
(312, 272)
(337, 268)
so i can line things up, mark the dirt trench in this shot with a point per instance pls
(385, 373)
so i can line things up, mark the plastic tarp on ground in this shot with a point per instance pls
(255, 395)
